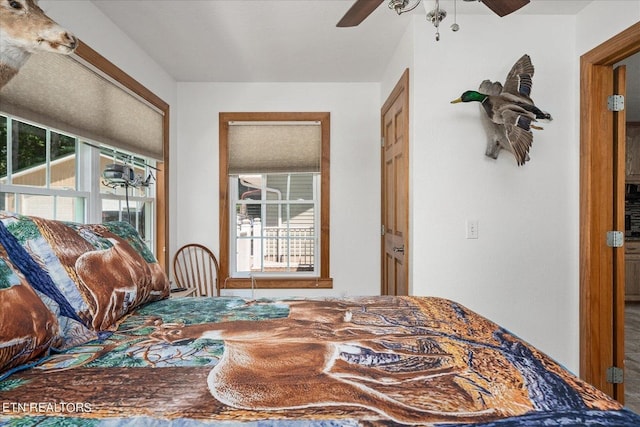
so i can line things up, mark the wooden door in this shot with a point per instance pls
(596, 216)
(597, 161)
(619, 180)
(395, 190)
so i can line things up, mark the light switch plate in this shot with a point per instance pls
(472, 229)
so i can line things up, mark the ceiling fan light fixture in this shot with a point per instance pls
(435, 16)
(402, 6)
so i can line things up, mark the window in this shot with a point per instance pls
(42, 171)
(38, 172)
(84, 95)
(274, 204)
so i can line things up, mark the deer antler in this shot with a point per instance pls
(25, 29)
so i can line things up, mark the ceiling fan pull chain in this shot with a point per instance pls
(455, 27)
(437, 20)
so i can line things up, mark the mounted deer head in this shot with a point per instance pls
(26, 29)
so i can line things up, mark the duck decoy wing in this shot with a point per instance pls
(519, 135)
(520, 79)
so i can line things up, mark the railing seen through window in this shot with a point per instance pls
(276, 217)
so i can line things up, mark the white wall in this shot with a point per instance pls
(355, 168)
(603, 19)
(401, 60)
(522, 272)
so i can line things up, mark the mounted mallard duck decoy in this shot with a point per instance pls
(510, 111)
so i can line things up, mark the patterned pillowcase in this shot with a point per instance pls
(93, 274)
(27, 328)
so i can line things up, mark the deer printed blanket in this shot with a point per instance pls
(63, 284)
(371, 361)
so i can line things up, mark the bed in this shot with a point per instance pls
(133, 356)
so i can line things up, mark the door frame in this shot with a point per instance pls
(597, 308)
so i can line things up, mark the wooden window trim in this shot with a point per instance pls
(323, 280)
(162, 174)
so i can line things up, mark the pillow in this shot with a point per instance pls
(27, 327)
(93, 274)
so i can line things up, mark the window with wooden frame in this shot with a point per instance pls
(87, 96)
(274, 200)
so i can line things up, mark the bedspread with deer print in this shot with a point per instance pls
(370, 361)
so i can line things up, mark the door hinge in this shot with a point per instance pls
(382, 141)
(382, 230)
(615, 375)
(615, 102)
(615, 239)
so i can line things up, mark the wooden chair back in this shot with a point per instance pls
(195, 266)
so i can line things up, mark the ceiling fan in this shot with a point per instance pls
(363, 8)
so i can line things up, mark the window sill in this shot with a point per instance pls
(278, 283)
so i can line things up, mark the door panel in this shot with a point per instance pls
(395, 190)
(619, 177)
(596, 206)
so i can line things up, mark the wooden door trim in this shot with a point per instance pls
(619, 181)
(596, 202)
(401, 86)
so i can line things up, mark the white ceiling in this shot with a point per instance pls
(276, 40)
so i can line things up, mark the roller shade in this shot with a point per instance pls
(64, 93)
(273, 147)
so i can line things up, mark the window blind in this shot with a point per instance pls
(64, 93)
(272, 147)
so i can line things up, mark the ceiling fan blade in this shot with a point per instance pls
(358, 12)
(504, 7)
